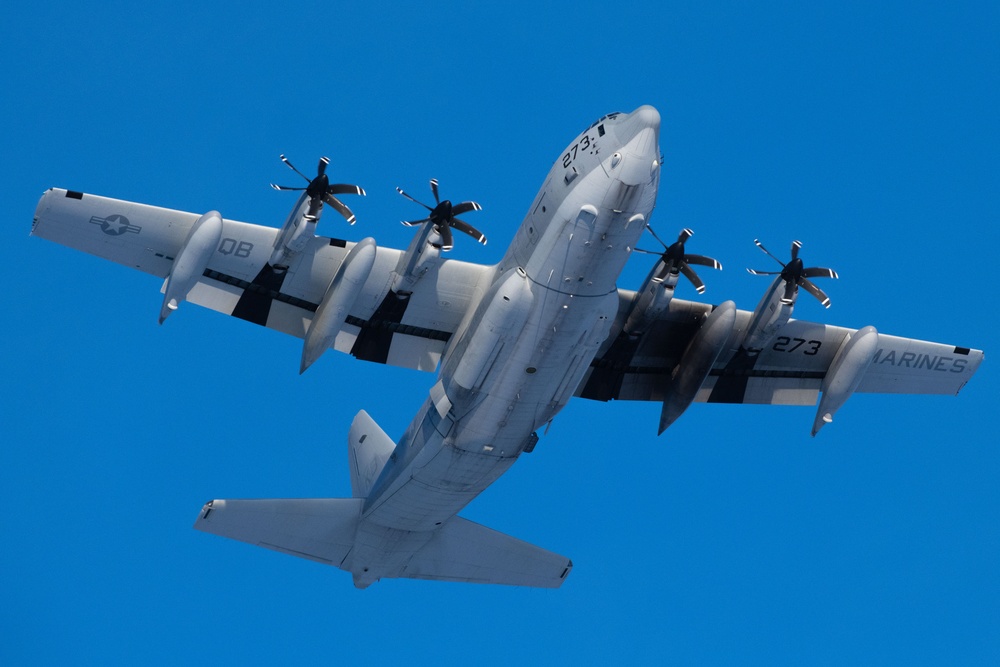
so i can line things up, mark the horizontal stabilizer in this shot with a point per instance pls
(320, 529)
(468, 552)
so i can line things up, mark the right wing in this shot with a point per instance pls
(786, 372)
(411, 332)
(792, 369)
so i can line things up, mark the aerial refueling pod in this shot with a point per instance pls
(191, 261)
(337, 301)
(503, 317)
(848, 367)
(697, 362)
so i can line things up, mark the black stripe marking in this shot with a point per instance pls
(338, 243)
(255, 304)
(963, 350)
(600, 365)
(380, 325)
(731, 386)
(73, 194)
(605, 381)
(373, 343)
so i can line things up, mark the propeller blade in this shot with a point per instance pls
(292, 167)
(808, 286)
(400, 191)
(466, 228)
(649, 252)
(656, 237)
(796, 276)
(684, 235)
(693, 277)
(414, 223)
(447, 240)
(768, 252)
(285, 188)
(340, 208)
(443, 217)
(345, 189)
(701, 260)
(819, 272)
(321, 167)
(465, 207)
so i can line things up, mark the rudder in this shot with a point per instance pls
(368, 450)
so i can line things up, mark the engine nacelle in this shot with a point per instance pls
(298, 229)
(697, 362)
(421, 255)
(772, 313)
(191, 261)
(650, 302)
(337, 301)
(848, 367)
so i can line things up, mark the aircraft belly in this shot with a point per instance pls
(439, 489)
(381, 551)
(519, 361)
(447, 460)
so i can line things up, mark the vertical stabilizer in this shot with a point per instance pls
(368, 450)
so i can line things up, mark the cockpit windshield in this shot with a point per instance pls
(610, 116)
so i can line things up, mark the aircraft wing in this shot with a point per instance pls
(790, 370)
(238, 280)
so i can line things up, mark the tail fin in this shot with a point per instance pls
(368, 450)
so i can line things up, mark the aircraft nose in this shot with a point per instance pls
(639, 133)
(647, 115)
(643, 118)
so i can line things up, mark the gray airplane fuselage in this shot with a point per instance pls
(521, 353)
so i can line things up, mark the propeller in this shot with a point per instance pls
(321, 191)
(674, 260)
(796, 274)
(442, 217)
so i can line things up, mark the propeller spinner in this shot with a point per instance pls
(796, 274)
(442, 217)
(321, 191)
(674, 260)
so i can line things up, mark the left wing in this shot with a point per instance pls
(791, 369)
(238, 281)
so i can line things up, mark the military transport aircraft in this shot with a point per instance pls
(514, 342)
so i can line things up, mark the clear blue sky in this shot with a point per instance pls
(868, 132)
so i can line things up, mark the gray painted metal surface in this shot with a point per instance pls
(512, 343)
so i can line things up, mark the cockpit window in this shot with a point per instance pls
(610, 116)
